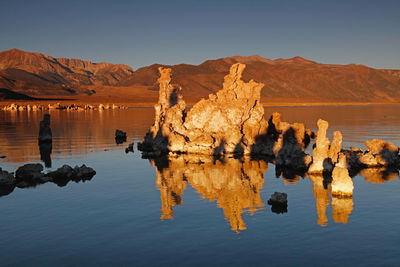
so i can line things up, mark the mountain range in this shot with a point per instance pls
(293, 80)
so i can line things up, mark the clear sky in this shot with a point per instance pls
(139, 33)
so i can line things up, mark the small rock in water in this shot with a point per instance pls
(6, 178)
(129, 148)
(278, 201)
(77, 173)
(29, 172)
(120, 136)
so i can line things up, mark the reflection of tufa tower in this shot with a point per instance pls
(341, 206)
(235, 185)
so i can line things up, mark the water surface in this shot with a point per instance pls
(191, 209)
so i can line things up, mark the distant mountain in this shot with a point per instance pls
(38, 74)
(294, 79)
(285, 80)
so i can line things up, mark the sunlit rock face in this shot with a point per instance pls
(321, 150)
(225, 123)
(342, 184)
(228, 122)
(234, 184)
(380, 153)
(335, 147)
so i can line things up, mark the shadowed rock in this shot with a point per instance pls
(120, 136)
(278, 201)
(29, 172)
(129, 148)
(45, 134)
(31, 175)
(6, 178)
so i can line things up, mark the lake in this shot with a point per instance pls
(137, 211)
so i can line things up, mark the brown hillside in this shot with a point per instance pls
(38, 74)
(294, 78)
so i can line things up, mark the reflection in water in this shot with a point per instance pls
(341, 206)
(321, 195)
(234, 184)
(45, 153)
(378, 175)
(74, 133)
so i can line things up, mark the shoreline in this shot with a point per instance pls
(134, 104)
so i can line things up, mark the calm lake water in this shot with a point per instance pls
(136, 211)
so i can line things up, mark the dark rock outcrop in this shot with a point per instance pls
(30, 175)
(129, 148)
(279, 202)
(120, 136)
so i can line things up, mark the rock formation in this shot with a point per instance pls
(228, 122)
(342, 184)
(321, 150)
(120, 136)
(378, 154)
(279, 202)
(335, 147)
(30, 175)
(381, 153)
(45, 134)
(129, 148)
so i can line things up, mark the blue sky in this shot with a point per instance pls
(139, 33)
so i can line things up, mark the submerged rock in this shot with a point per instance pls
(279, 202)
(30, 172)
(120, 136)
(129, 148)
(77, 173)
(45, 134)
(6, 178)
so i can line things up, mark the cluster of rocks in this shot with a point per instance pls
(232, 122)
(30, 175)
(70, 107)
